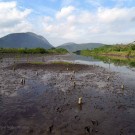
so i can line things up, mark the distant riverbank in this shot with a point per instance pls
(118, 54)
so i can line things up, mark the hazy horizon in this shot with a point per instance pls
(62, 21)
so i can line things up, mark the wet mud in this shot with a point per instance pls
(46, 101)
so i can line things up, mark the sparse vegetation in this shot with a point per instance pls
(37, 63)
(61, 62)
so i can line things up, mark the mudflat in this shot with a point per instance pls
(42, 99)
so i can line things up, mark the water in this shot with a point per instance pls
(124, 71)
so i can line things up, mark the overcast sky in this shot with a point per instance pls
(61, 21)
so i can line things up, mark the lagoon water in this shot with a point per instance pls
(126, 73)
(123, 70)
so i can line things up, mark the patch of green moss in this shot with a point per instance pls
(61, 62)
(37, 63)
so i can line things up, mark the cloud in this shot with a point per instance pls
(12, 18)
(115, 14)
(62, 25)
(65, 11)
(73, 22)
(79, 25)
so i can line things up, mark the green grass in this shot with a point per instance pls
(61, 62)
(37, 63)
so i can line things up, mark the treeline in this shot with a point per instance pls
(34, 50)
(118, 48)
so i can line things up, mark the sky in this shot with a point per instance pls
(62, 21)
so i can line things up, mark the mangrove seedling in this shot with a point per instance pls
(74, 84)
(108, 78)
(13, 68)
(122, 87)
(94, 122)
(37, 73)
(71, 78)
(22, 81)
(80, 101)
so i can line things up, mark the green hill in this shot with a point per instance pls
(24, 40)
(73, 47)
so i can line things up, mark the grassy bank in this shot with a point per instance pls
(118, 61)
(117, 54)
(112, 50)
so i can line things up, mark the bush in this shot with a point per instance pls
(133, 47)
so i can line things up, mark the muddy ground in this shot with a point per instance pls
(47, 104)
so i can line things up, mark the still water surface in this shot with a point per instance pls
(126, 72)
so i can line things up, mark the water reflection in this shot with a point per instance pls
(120, 66)
(118, 61)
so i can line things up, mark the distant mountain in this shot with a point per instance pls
(24, 40)
(72, 47)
